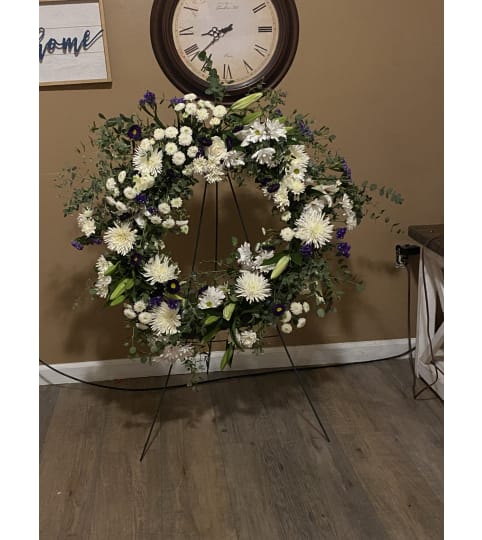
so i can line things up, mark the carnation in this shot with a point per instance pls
(248, 338)
(171, 132)
(129, 313)
(286, 328)
(110, 184)
(178, 158)
(139, 306)
(159, 134)
(296, 308)
(185, 139)
(219, 111)
(170, 148)
(168, 223)
(130, 193)
(192, 152)
(164, 208)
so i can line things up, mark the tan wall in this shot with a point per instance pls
(372, 71)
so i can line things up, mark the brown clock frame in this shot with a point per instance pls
(162, 41)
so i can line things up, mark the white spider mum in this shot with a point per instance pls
(147, 161)
(314, 228)
(165, 321)
(160, 270)
(252, 287)
(102, 265)
(120, 238)
(102, 285)
(212, 297)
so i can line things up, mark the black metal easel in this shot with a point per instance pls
(299, 378)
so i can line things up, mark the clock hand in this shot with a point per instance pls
(216, 34)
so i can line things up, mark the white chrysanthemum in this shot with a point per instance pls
(202, 114)
(212, 297)
(176, 202)
(147, 161)
(214, 121)
(139, 306)
(178, 107)
(287, 234)
(102, 265)
(301, 322)
(185, 139)
(190, 109)
(178, 158)
(165, 321)
(130, 193)
(192, 152)
(168, 223)
(280, 198)
(145, 317)
(171, 132)
(121, 207)
(252, 287)
(286, 216)
(121, 177)
(88, 227)
(120, 238)
(264, 156)
(296, 308)
(248, 338)
(286, 317)
(219, 111)
(159, 134)
(156, 220)
(314, 228)
(306, 307)
(102, 286)
(175, 353)
(190, 97)
(170, 148)
(129, 313)
(275, 129)
(199, 165)
(233, 158)
(164, 208)
(185, 130)
(159, 270)
(110, 184)
(286, 328)
(141, 183)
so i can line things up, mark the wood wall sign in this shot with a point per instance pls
(72, 43)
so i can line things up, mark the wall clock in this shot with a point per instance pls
(250, 41)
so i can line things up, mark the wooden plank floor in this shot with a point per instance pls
(245, 460)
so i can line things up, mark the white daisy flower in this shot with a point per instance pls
(287, 234)
(298, 152)
(219, 111)
(255, 133)
(264, 156)
(168, 223)
(139, 306)
(121, 177)
(275, 129)
(170, 148)
(314, 228)
(252, 287)
(296, 308)
(159, 270)
(120, 238)
(301, 322)
(192, 152)
(248, 338)
(212, 297)
(164, 208)
(145, 317)
(102, 286)
(286, 328)
(130, 193)
(171, 132)
(184, 139)
(178, 158)
(176, 202)
(175, 353)
(129, 313)
(159, 134)
(165, 321)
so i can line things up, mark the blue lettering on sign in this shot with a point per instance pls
(67, 44)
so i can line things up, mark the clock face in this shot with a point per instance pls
(249, 41)
(240, 35)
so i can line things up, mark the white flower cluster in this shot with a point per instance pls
(102, 284)
(138, 311)
(296, 309)
(175, 353)
(86, 222)
(254, 262)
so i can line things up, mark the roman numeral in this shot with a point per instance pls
(261, 50)
(205, 65)
(265, 28)
(187, 31)
(247, 66)
(259, 8)
(192, 49)
(227, 72)
(190, 8)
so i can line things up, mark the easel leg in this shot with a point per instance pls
(148, 442)
(302, 384)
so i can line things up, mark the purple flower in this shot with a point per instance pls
(176, 100)
(229, 143)
(136, 259)
(95, 240)
(173, 304)
(173, 286)
(149, 97)
(340, 233)
(343, 249)
(141, 198)
(307, 250)
(205, 141)
(135, 132)
(263, 180)
(273, 188)
(77, 245)
(346, 169)
(305, 129)
(278, 112)
(154, 301)
(152, 210)
(278, 309)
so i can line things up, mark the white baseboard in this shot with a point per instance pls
(273, 357)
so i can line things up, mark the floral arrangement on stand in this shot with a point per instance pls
(135, 199)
